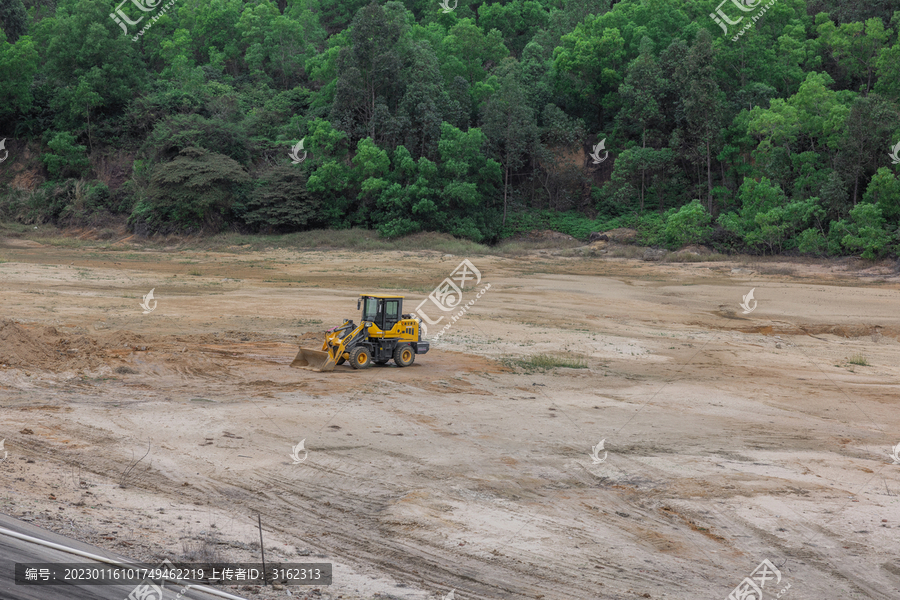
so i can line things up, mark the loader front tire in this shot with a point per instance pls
(404, 356)
(360, 358)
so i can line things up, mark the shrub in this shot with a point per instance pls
(180, 131)
(690, 225)
(884, 192)
(767, 221)
(65, 158)
(280, 202)
(866, 231)
(86, 204)
(651, 229)
(71, 202)
(572, 223)
(398, 227)
(812, 241)
(192, 192)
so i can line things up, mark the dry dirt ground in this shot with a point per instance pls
(730, 438)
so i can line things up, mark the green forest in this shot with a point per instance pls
(755, 126)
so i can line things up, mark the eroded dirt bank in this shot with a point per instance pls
(731, 437)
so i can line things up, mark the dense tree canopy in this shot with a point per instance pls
(764, 129)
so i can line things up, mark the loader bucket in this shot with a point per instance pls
(317, 360)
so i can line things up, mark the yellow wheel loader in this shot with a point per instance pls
(384, 334)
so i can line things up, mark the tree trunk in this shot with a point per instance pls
(699, 175)
(643, 172)
(722, 168)
(371, 126)
(708, 179)
(532, 182)
(505, 186)
(546, 183)
(90, 144)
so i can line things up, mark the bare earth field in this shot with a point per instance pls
(731, 438)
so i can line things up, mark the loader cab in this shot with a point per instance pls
(383, 311)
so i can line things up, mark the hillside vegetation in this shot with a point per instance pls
(476, 119)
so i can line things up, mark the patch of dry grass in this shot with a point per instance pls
(858, 359)
(627, 252)
(544, 361)
(522, 247)
(674, 257)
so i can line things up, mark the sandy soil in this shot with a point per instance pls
(731, 437)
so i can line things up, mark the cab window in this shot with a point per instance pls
(391, 313)
(370, 309)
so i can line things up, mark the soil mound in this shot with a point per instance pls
(21, 347)
(621, 235)
(694, 250)
(124, 339)
(44, 348)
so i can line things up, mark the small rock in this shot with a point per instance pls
(778, 346)
(598, 237)
(694, 250)
(653, 254)
(26, 431)
(622, 235)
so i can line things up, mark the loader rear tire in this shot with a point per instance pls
(404, 356)
(360, 358)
